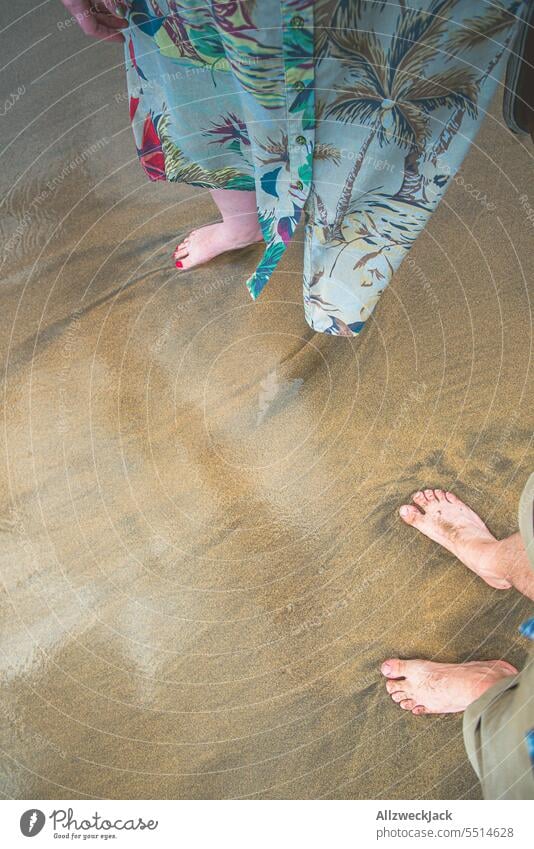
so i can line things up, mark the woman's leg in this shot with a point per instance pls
(239, 227)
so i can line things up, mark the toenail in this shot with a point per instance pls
(179, 264)
(386, 668)
(405, 511)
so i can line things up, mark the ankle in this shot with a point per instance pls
(509, 561)
(496, 558)
(244, 224)
(521, 577)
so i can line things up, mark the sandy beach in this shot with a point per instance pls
(201, 557)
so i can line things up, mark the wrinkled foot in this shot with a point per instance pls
(422, 686)
(208, 242)
(451, 523)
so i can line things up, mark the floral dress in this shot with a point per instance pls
(356, 112)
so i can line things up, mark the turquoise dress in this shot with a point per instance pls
(356, 113)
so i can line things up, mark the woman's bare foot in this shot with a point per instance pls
(208, 242)
(448, 521)
(422, 686)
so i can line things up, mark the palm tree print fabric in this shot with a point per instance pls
(353, 115)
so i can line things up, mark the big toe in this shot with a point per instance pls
(508, 668)
(393, 668)
(410, 514)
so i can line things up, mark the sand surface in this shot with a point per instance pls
(202, 565)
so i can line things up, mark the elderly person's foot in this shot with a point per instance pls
(240, 226)
(208, 242)
(448, 521)
(422, 686)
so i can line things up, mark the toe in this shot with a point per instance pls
(410, 514)
(407, 704)
(429, 495)
(419, 498)
(393, 668)
(180, 251)
(450, 496)
(398, 697)
(183, 263)
(507, 667)
(439, 494)
(394, 686)
(418, 710)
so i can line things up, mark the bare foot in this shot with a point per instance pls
(451, 523)
(422, 686)
(208, 242)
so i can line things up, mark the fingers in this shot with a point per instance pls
(115, 7)
(111, 20)
(96, 20)
(101, 27)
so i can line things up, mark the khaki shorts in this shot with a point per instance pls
(497, 724)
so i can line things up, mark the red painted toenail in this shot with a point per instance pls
(179, 264)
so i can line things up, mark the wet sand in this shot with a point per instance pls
(201, 559)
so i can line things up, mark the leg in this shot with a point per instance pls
(499, 737)
(423, 686)
(448, 521)
(499, 726)
(239, 227)
(510, 556)
(170, 136)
